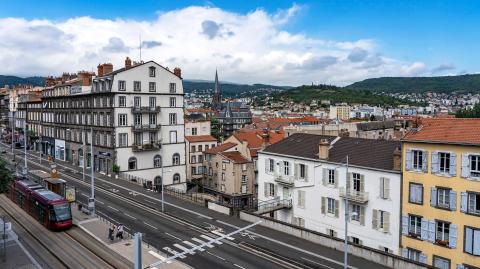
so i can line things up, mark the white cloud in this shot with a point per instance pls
(250, 48)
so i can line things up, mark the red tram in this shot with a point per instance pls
(50, 209)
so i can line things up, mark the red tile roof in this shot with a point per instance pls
(200, 138)
(254, 137)
(235, 156)
(446, 130)
(220, 148)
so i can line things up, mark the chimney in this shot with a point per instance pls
(100, 70)
(128, 63)
(323, 149)
(178, 72)
(49, 81)
(85, 78)
(265, 138)
(397, 159)
(107, 68)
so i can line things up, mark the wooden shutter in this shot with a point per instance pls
(362, 183)
(431, 231)
(306, 172)
(267, 165)
(424, 230)
(465, 166)
(452, 236)
(349, 181)
(336, 178)
(460, 266)
(281, 170)
(405, 253)
(435, 164)
(422, 258)
(405, 224)
(275, 188)
(386, 188)
(337, 208)
(386, 222)
(408, 160)
(324, 200)
(375, 219)
(296, 171)
(362, 215)
(453, 164)
(463, 202)
(299, 199)
(453, 200)
(382, 188)
(265, 189)
(424, 161)
(324, 176)
(433, 196)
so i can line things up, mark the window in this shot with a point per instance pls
(331, 176)
(271, 165)
(271, 189)
(413, 254)
(302, 173)
(384, 188)
(122, 139)
(200, 148)
(331, 205)
(301, 199)
(193, 149)
(152, 101)
(173, 103)
(132, 163)
(355, 212)
(172, 118)
(122, 119)
(193, 159)
(173, 88)
(157, 161)
(151, 71)
(244, 167)
(176, 159)
(137, 102)
(223, 176)
(243, 188)
(414, 226)
(381, 220)
(443, 197)
(152, 86)
(442, 232)
(444, 162)
(122, 101)
(137, 119)
(415, 195)
(173, 137)
(472, 241)
(473, 206)
(357, 186)
(441, 263)
(152, 119)
(475, 165)
(137, 86)
(194, 170)
(176, 178)
(137, 138)
(356, 240)
(121, 85)
(194, 130)
(418, 156)
(286, 168)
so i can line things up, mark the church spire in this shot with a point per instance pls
(217, 95)
(217, 85)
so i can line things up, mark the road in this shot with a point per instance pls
(185, 224)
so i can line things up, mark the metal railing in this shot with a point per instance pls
(274, 204)
(146, 127)
(285, 180)
(146, 147)
(353, 195)
(145, 109)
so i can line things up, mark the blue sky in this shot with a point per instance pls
(430, 37)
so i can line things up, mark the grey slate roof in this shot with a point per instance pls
(377, 154)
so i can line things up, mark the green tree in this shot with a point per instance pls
(469, 113)
(214, 127)
(5, 176)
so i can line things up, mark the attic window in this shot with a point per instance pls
(151, 71)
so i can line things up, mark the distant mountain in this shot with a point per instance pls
(14, 80)
(228, 88)
(444, 84)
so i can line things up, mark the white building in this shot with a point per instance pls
(309, 170)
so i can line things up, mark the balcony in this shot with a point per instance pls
(145, 109)
(146, 127)
(354, 196)
(145, 147)
(285, 180)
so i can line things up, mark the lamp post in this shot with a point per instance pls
(345, 254)
(25, 169)
(92, 177)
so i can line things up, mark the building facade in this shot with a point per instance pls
(306, 177)
(195, 145)
(441, 193)
(341, 112)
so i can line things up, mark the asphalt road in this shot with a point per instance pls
(260, 247)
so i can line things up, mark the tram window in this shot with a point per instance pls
(62, 212)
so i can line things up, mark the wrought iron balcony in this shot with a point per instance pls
(354, 196)
(146, 127)
(145, 109)
(285, 180)
(146, 147)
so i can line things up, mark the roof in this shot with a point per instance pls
(220, 148)
(377, 154)
(132, 67)
(446, 130)
(254, 137)
(235, 156)
(200, 138)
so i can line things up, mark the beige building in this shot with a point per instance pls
(340, 112)
(195, 145)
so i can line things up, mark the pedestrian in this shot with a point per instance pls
(120, 231)
(111, 229)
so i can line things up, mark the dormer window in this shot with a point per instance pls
(151, 71)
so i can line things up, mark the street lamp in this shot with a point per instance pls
(345, 257)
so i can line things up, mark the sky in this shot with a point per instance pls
(275, 42)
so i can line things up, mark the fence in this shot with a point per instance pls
(194, 197)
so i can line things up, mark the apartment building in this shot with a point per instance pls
(29, 110)
(305, 177)
(441, 193)
(195, 145)
(340, 112)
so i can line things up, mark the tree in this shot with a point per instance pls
(469, 113)
(214, 127)
(5, 176)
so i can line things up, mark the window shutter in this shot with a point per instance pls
(476, 242)
(405, 253)
(422, 258)
(324, 176)
(296, 173)
(386, 222)
(275, 188)
(433, 197)
(412, 192)
(435, 162)
(382, 187)
(324, 201)
(452, 236)
(349, 181)
(306, 172)
(405, 224)
(424, 161)
(453, 164)
(267, 165)
(336, 178)
(431, 231)
(424, 230)
(408, 160)
(362, 215)
(463, 202)
(465, 166)
(337, 208)
(265, 189)
(362, 183)
(419, 194)
(374, 219)
(453, 200)
(295, 221)
(386, 188)
(281, 171)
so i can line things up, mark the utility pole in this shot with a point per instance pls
(84, 148)
(137, 245)
(25, 171)
(161, 174)
(345, 257)
(92, 177)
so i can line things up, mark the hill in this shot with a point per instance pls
(14, 80)
(305, 94)
(228, 88)
(444, 84)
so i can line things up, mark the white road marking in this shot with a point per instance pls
(148, 224)
(183, 248)
(158, 256)
(192, 245)
(215, 256)
(239, 266)
(113, 208)
(171, 235)
(317, 263)
(148, 201)
(83, 194)
(129, 216)
(220, 234)
(202, 242)
(100, 202)
(174, 252)
(210, 239)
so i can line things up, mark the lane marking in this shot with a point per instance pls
(113, 208)
(192, 245)
(83, 194)
(174, 252)
(100, 202)
(148, 224)
(171, 235)
(317, 263)
(148, 201)
(210, 239)
(129, 216)
(158, 256)
(183, 248)
(216, 256)
(202, 242)
(239, 266)
(220, 234)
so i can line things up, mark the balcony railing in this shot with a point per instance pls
(145, 109)
(146, 127)
(285, 180)
(146, 147)
(353, 195)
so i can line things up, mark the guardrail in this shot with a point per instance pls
(353, 195)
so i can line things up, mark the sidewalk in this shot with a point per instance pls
(98, 228)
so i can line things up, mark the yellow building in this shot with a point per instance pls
(441, 193)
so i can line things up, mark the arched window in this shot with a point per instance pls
(157, 181)
(176, 178)
(176, 159)
(132, 163)
(157, 161)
